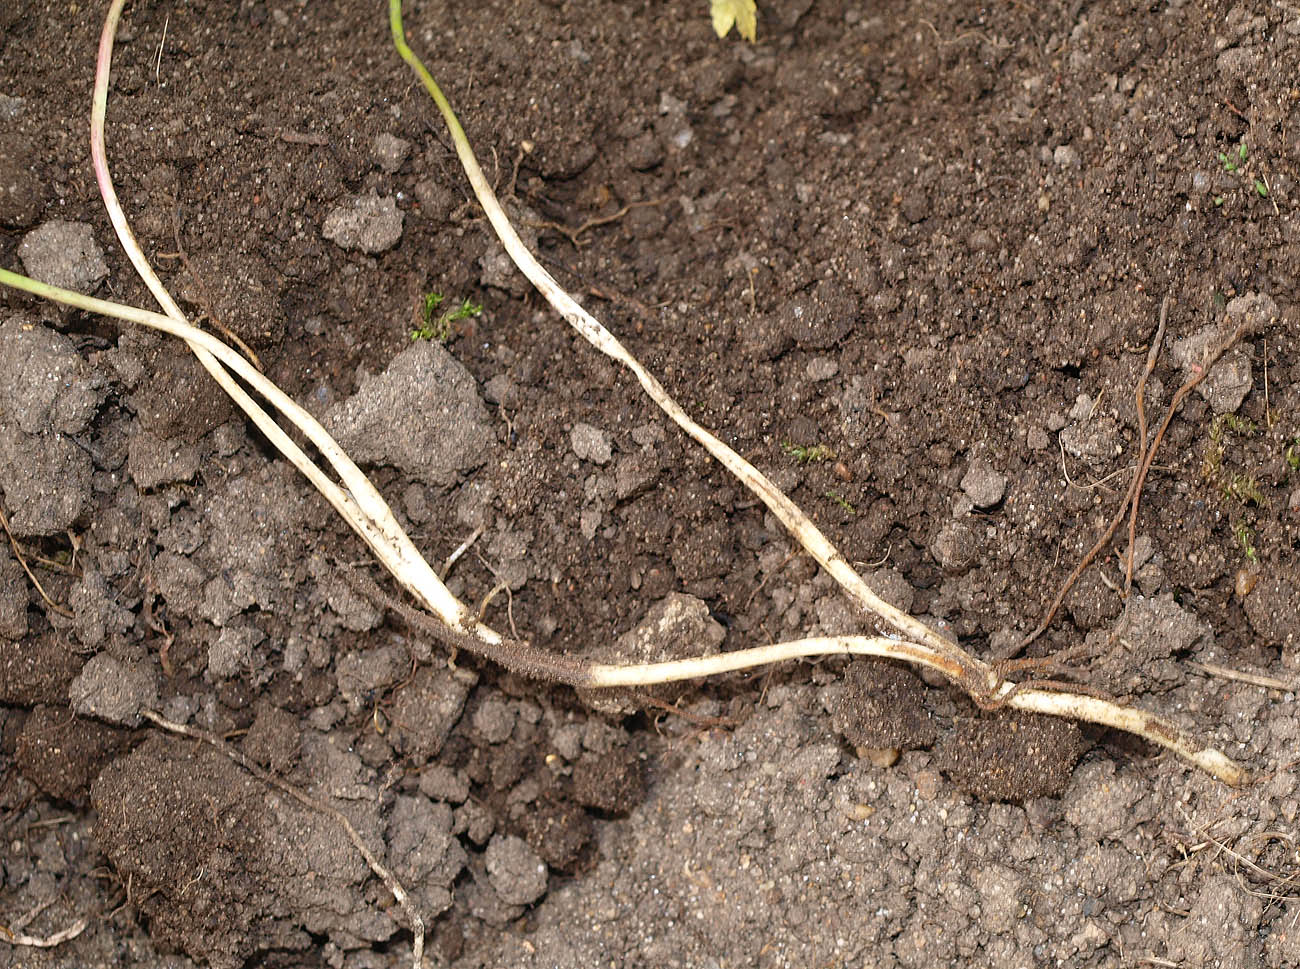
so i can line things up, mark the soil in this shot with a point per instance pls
(908, 258)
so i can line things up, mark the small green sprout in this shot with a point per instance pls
(1237, 424)
(1261, 188)
(1292, 455)
(1245, 536)
(438, 327)
(1234, 161)
(1243, 489)
(840, 500)
(807, 454)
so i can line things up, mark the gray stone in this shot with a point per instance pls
(983, 485)
(364, 222)
(514, 870)
(591, 443)
(423, 415)
(47, 386)
(389, 151)
(113, 691)
(64, 254)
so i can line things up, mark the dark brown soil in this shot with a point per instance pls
(907, 258)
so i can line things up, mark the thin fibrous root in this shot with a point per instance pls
(44, 941)
(927, 646)
(266, 777)
(365, 510)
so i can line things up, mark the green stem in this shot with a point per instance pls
(90, 304)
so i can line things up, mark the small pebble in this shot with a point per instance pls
(1066, 156)
(64, 254)
(389, 151)
(983, 485)
(591, 444)
(364, 222)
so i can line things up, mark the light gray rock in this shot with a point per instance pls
(983, 485)
(591, 443)
(64, 254)
(423, 415)
(514, 870)
(364, 222)
(113, 691)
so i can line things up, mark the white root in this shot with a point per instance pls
(928, 648)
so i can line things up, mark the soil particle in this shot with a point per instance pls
(591, 443)
(676, 626)
(389, 152)
(179, 399)
(515, 872)
(274, 739)
(817, 320)
(983, 485)
(39, 669)
(98, 617)
(113, 691)
(242, 291)
(424, 853)
(1091, 435)
(423, 712)
(1229, 380)
(1010, 757)
(367, 223)
(20, 187)
(955, 547)
(243, 869)
(892, 586)
(153, 461)
(442, 783)
(1218, 928)
(363, 674)
(64, 254)
(13, 596)
(612, 782)
(1091, 602)
(61, 753)
(494, 719)
(232, 652)
(882, 706)
(1104, 802)
(1273, 609)
(45, 478)
(422, 415)
(1143, 650)
(47, 385)
(558, 830)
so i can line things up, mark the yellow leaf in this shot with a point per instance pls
(741, 13)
